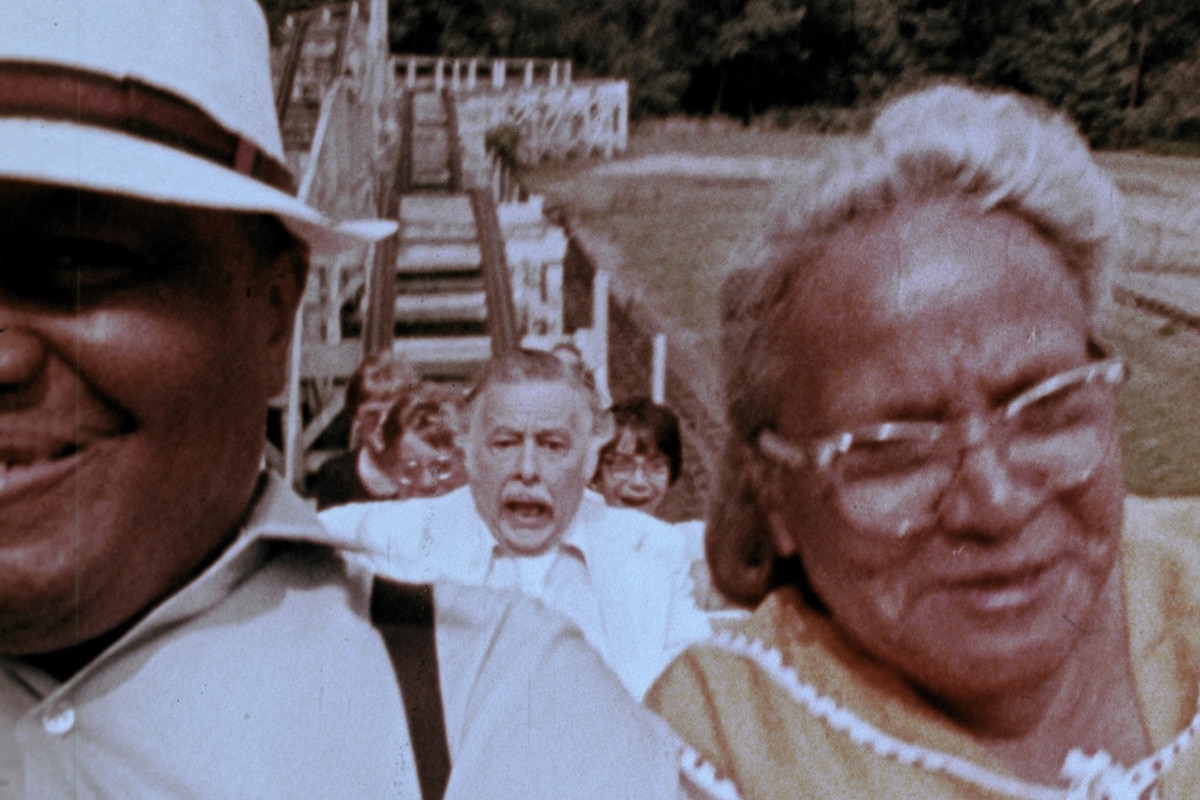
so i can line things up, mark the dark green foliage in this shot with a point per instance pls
(1074, 54)
(1126, 69)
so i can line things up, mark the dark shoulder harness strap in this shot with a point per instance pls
(403, 613)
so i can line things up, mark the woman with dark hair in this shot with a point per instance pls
(922, 493)
(636, 469)
(644, 457)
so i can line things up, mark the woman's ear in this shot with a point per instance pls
(767, 482)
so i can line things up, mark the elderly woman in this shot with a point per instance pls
(923, 495)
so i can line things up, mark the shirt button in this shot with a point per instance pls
(59, 721)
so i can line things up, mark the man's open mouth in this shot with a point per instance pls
(528, 513)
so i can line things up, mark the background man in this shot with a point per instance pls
(162, 634)
(364, 472)
(524, 521)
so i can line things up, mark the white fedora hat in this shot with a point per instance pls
(163, 100)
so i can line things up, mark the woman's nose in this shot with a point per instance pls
(638, 476)
(985, 498)
(22, 356)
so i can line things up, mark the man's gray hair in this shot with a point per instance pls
(995, 151)
(527, 366)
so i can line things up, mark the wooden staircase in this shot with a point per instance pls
(312, 53)
(440, 292)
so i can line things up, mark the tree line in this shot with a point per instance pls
(1128, 70)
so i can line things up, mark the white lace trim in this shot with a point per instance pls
(703, 776)
(1094, 777)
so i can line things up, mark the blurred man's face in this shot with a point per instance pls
(424, 470)
(528, 461)
(140, 344)
(367, 427)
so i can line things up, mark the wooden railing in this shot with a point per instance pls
(579, 120)
(335, 181)
(478, 74)
(298, 27)
(497, 283)
(454, 141)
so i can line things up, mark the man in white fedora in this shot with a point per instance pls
(172, 623)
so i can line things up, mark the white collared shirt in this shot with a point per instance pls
(559, 578)
(619, 574)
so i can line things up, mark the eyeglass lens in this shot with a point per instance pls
(624, 466)
(1054, 443)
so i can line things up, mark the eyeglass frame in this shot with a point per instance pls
(648, 464)
(819, 453)
(440, 469)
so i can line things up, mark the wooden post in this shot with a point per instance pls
(567, 72)
(438, 69)
(410, 73)
(472, 68)
(499, 68)
(658, 369)
(600, 331)
(455, 74)
(622, 120)
(554, 73)
(529, 73)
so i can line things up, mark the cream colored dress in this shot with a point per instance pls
(730, 705)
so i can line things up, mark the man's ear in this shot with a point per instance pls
(466, 427)
(282, 285)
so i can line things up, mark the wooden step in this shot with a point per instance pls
(457, 256)
(418, 283)
(440, 216)
(450, 329)
(427, 107)
(446, 356)
(431, 179)
(442, 307)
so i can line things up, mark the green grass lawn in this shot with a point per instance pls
(1160, 407)
(679, 235)
(722, 138)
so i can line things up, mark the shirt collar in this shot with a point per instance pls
(277, 513)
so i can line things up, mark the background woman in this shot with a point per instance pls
(644, 457)
(637, 468)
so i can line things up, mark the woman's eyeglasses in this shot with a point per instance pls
(889, 479)
(624, 467)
